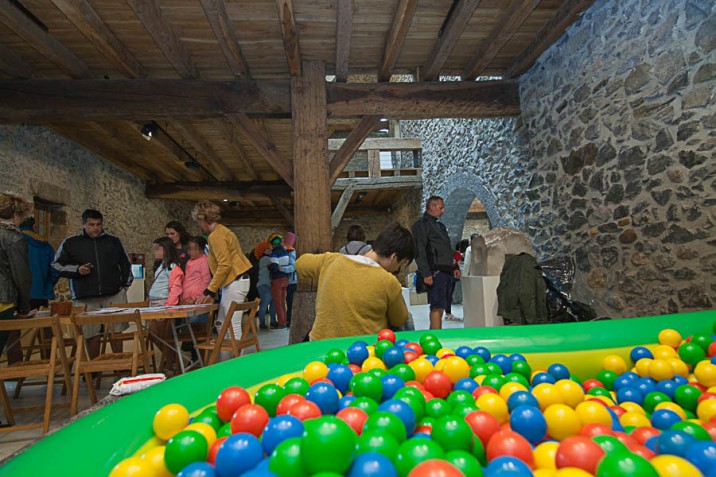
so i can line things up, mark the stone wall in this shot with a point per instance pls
(36, 162)
(611, 161)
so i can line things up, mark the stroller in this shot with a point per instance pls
(558, 274)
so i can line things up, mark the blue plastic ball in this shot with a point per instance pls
(340, 375)
(521, 398)
(529, 422)
(401, 343)
(197, 469)
(680, 380)
(663, 419)
(372, 464)
(433, 359)
(239, 453)
(629, 394)
(393, 356)
(279, 429)
(667, 387)
(402, 410)
(640, 352)
(483, 353)
(345, 401)
(357, 353)
(674, 443)
(540, 378)
(651, 443)
(517, 357)
(503, 362)
(463, 351)
(324, 396)
(466, 384)
(703, 455)
(507, 466)
(646, 385)
(558, 371)
(391, 384)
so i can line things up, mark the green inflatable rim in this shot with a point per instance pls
(94, 444)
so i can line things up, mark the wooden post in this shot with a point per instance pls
(373, 163)
(312, 188)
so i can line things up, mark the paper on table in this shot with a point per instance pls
(104, 311)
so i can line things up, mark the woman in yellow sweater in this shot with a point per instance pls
(359, 294)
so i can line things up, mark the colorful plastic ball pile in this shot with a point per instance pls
(418, 409)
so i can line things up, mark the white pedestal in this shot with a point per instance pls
(406, 296)
(479, 301)
(135, 292)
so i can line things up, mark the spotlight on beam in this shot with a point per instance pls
(192, 165)
(148, 131)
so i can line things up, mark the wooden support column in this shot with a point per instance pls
(312, 189)
(373, 163)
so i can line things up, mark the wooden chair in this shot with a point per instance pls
(127, 336)
(35, 367)
(249, 334)
(125, 361)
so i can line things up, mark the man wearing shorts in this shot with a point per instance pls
(433, 255)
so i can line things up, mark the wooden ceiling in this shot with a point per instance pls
(213, 76)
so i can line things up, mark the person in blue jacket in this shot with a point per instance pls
(41, 255)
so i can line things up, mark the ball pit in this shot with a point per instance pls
(475, 410)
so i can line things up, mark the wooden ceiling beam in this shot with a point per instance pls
(43, 42)
(387, 183)
(446, 42)
(161, 138)
(258, 138)
(282, 209)
(202, 146)
(234, 190)
(472, 99)
(13, 65)
(350, 145)
(215, 11)
(382, 144)
(550, 32)
(511, 21)
(394, 40)
(344, 31)
(81, 14)
(230, 135)
(289, 33)
(165, 36)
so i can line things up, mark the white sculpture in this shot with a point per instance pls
(487, 253)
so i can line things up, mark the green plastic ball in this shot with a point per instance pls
(378, 373)
(517, 378)
(463, 410)
(478, 370)
(691, 353)
(296, 386)
(687, 396)
(625, 464)
(415, 403)
(457, 398)
(474, 359)
(286, 459)
(522, 368)
(328, 445)
(377, 441)
(209, 417)
(403, 371)
(414, 451)
(495, 381)
(186, 447)
(431, 347)
(610, 444)
(703, 340)
(653, 399)
(383, 421)
(268, 397)
(381, 347)
(452, 433)
(366, 404)
(493, 368)
(426, 338)
(224, 431)
(607, 378)
(410, 391)
(437, 408)
(334, 356)
(693, 429)
(465, 462)
(366, 385)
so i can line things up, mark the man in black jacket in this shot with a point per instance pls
(99, 271)
(434, 259)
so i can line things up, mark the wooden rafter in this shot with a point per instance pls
(444, 45)
(282, 209)
(235, 190)
(165, 36)
(289, 33)
(548, 34)
(344, 30)
(13, 65)
(341, 206)
(88, 22)
(382, 144)
(46, 44)
(402, 18)
(394, 183)
(226, 36)
(511, 20)
(257, 137)
(202, 146)
(350, 145)
(230, 134)
(161, 138)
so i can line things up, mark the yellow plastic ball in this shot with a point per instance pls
(284, 379)
(571, 392)
(670, 337)
(629, 406)
(372, 363)
(204, 429)
(641, 367)
(440, 365)
(705, 372)
(614, 363)
(706, 409)
(371, 351)
(634, 419)
(508, 389)
(660, 369)
(169, 420)
(421, 367)
(315, 370)
(572, 472)
(443, 351)
(480, 379)
(546, 395)
(592, 412)
(562, 421)
(456, 368)
(605, 399)
(673, 466)
(155, 456)
(711, 389)
(494, 405)
(680, 368)
(133, 467)
(545, 454)
(544, 472)
(664, 352)
(671, 406)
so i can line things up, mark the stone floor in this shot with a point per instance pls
(12, 442)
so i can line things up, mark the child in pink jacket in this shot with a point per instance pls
(187, 286)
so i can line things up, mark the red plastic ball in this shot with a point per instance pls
(415, 347)
(435, 468)
(305, 410)
(416, 385)
(438, 384)
(211, 458)
(643, 434)
(595, 429)
(597, 401)
(626, 439)
(512, 444)
(483, 390)
(591, 383)
(483, 425)
(322, 380)
(424, 430)
(711, 429)
(618, 410)
(250, 418)
(386, 334)
(706, 396)
(354, 417)
(427, 395)
(641, 451)
(410, 356)
(580, 452)
(287, 403)
(355, 368)
(712, 349)
(230, 400)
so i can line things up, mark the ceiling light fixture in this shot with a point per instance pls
(383, 120)
(192, 165)
(148, 131)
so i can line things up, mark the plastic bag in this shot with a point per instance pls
(559, 272)
(136, 383)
